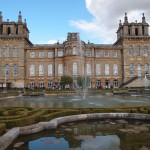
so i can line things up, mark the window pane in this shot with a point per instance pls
(32, 54)
(41, 70)
(32, 70)
(15, 70)
(50, 70)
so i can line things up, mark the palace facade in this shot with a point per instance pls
(23, 64)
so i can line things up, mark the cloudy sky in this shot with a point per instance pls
(96, 20)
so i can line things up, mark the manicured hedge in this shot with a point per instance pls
(2, 128)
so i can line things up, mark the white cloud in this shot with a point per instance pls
(53, 41)
(106, 16)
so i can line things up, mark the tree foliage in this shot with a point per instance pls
(66, 80)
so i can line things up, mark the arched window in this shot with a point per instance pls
(98, 69)
(106, 69)
(50, 70)
(131, 68)
(98, 84)
(15, 52)
(138, 51)
(146, 51)
(41, 84)
(146, 68)
(131, 51)
(107, 84)
(32, 70)
(116, 84)
(7, 70)
(41, 70)
(15, 70)
(50, 85)
(115, 69)
(7, 52)
(139, 70)
(8, 31)
(32, 84)
(75, 68)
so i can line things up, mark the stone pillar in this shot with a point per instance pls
(140, 30)
(146, 30)
(132, 30)
(125, 30)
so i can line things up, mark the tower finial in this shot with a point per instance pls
(125, 18)
(1, 17)
(143, 19)
(120, 24)
(25, 22)
(19, 17)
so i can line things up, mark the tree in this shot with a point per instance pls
(83, 82)
(66, 80)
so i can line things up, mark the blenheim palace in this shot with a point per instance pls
(26, 65)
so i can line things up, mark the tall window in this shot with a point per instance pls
(50, 70)
(115, 69)
(116, 84)
(41, 84)
(131, 51)
(7, 52)
(98, 84)
(32, 84)
(146, 69)
(138, 51)
(60, 70)
(75, 68)
(74, 50)
(88, 69)
(146, 51)
(98, 69)
(50, 85)
(15, 52)
(15, 70)
(41, 70)
(131, 68)
(7, 70)
(106, 69)
(32, 70)
(139, 70)
(0, 70)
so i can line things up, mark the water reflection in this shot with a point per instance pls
(75, 101)
(92, 135)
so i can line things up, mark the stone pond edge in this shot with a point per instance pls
(11, 135)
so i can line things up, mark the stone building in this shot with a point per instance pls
(23, 64)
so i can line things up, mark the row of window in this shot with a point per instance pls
(6, 53)
(7, 70)
(60, 54)
(75, 69)
(139, 69)
(138, 51)
(50, 84)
